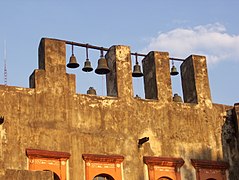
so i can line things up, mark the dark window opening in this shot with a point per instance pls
(103, 177)
(164, 178)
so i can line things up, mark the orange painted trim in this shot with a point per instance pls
(48, 160)
(103, 164)
(163, 167)
(210, 169)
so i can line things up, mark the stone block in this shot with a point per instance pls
(157, 81)
(119, 80)
(195, 82)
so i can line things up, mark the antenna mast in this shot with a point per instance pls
(5, 62)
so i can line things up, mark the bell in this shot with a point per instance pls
(177, 98)
(102, 66)
(174, 71)
(137, 71)
(91, 90)
(72, 63)
(87, 67)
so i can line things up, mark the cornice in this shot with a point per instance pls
(103, 158)
(163, 161)
(208, 164)
(47, 154)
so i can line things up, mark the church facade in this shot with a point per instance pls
(48, 131)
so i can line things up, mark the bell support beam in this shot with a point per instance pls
(104, 49)
(157, 80)
(119, 80)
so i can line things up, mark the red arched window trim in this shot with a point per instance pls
(163, 166)
(48, 160)
(210, 169)
(107, 164)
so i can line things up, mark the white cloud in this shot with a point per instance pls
(211, 40)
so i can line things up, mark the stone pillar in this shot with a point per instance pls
(119, 80)
(157, 81)
(51, 75)
(52, 55)
(195, 83)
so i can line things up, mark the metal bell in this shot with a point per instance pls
(177, 98)
(137, 71)
(72, 62)
(173, 71)
(91, 90)
(102, 67)
(87, 67)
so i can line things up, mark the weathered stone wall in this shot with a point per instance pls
(51, 116)
(11, 174)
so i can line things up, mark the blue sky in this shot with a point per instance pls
(207, 27)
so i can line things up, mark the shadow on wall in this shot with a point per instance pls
(230, 143)
(188, 170)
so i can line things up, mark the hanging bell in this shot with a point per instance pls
(177, 98)
(87, 67)
(91, 90)
(72, 63)
(137, 71)
(173, 71)
(102, 67)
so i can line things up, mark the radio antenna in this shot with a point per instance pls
(5, 62)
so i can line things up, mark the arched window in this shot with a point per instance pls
(164, 178)
(48, 160)
(210, 170)
(163, 168)
(103, 167)
(103, 177)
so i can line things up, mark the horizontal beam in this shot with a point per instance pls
(105, 49)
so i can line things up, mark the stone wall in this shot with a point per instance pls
(11, 174)
(50, 115)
